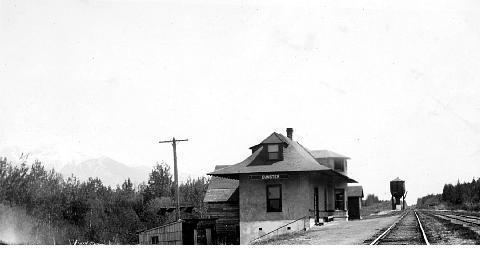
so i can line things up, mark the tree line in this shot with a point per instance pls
(465, 195)
(43, 207)
(370, 200)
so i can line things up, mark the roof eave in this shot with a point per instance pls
(330, 157)
(236, 176)
(349, 180)
(229, 175)
(253, 146)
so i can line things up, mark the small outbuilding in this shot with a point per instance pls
(354, 196)
(182, 232)
(222, 204)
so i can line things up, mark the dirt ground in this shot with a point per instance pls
(337, 232)
(441, 231)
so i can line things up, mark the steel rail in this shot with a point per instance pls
(421, 229)
(381, 236)
(461, 220)
(455, 213)
(468, 216)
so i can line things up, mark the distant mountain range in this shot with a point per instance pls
(111, 172)
(83, 166)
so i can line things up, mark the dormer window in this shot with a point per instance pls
(339, 165)
(273, 152)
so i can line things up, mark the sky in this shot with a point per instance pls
(392, 84)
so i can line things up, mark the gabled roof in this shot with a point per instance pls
(398, 179)
(355, 191)
(221, 189)
(274, 138)
(320, 154)
(295, 159)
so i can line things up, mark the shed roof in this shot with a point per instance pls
(319, 154)
(355, 191)
(296, 158)
(221, 189)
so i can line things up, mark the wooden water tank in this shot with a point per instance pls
(397, 188)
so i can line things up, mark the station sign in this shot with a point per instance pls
(268, 177)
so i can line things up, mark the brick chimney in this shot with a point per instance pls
(290, 133)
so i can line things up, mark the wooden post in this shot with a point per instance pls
(404, 196)
(175, 176)
(175, 172)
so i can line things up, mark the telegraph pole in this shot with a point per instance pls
(175, 171)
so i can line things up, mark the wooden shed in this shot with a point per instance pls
(355, 195)
(222, 203)
(183, 232)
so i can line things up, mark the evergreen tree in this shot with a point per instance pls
(65, 211)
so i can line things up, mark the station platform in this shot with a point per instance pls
(353, 232)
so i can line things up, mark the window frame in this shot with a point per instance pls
(342, 161)
(278, 157)
(337, 201)
(280, 199)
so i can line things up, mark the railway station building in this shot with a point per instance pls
(285, 187)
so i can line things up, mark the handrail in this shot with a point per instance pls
(279, 228)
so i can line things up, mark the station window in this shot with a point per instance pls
(274, 198)
(154, 240)
(339, 199)
(273, 152)
(339, 165)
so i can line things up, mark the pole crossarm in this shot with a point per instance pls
(171, 141)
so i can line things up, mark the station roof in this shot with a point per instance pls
(296, 158)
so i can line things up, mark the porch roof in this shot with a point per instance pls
(221, 189)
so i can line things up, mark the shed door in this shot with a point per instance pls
(353, 208)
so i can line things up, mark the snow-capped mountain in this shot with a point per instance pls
(111, 172)
(51, 156)
(80, 164)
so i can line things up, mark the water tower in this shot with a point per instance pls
(397, 189)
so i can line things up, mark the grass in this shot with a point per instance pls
(464, 232)
(375, 208)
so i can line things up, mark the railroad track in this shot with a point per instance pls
(469, 219)
(407, 230)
